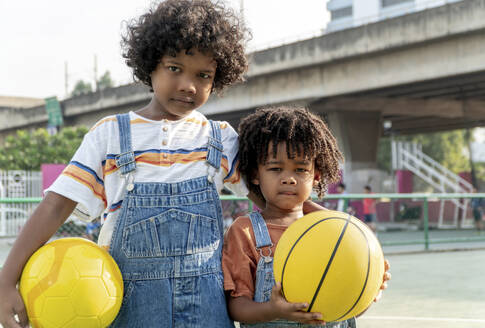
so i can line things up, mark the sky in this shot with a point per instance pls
(38, 38)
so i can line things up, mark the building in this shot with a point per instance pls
(350, 13)
(20, 102)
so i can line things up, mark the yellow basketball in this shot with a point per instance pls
(332, 261)
(71, 282)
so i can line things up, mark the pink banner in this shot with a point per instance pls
(404, 181)
(50, 172)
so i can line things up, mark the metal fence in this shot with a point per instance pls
(402, 219)
(17, 185)
(414, 219)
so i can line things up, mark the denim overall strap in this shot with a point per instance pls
(260, 230)
(264, 271)
(125, 161)
(214, 146)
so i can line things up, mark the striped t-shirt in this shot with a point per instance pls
(165, 151)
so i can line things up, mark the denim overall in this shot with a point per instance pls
(265, 278)
(168, 243)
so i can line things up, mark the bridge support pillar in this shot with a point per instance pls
(358, 135)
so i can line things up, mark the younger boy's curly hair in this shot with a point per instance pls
(304, 134)
(176, 25)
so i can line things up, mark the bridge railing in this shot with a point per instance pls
(391, 12)
(402, 219)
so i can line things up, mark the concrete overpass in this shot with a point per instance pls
(420, 72)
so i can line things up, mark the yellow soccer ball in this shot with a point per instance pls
(332, 261)
(71, 282)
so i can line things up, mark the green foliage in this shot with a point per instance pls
(28, 150)
(80, 88)
(384, 155)
(447, 148)
(480, 175)
(105, 81)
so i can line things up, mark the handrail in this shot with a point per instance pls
(445, 171)
(429, 178)
(28, 200)
(426, 197)
(328, 196)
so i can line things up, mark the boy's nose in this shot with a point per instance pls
(187, 85)
(288, 180)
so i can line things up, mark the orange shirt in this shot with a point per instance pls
(240, 256)
(369, 205)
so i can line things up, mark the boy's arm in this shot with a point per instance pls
(51, 213)
(245, 310)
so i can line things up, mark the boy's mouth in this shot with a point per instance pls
(185, 100)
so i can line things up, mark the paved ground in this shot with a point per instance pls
(439, 289)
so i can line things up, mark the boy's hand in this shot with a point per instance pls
(10, 306)
(385, 279)
(292, 311)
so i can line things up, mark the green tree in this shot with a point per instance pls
(468, 135)
(80, 88)
(105, 81)
(384, 155)
(447, 148)
(28, 150)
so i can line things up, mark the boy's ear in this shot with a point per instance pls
(255, 179)
(316, 178)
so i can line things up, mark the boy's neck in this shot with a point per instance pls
(281, 217)
(152, 111)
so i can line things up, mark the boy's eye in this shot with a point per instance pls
(204, 75)
(301, 170)
(274, 169)
(173, 68)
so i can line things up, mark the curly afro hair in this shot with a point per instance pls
(304, 134)
(176, 25)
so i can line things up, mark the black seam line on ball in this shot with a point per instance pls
(366, 277)
(292, 247)
(328, 264)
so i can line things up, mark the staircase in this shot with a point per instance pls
(409, 156)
